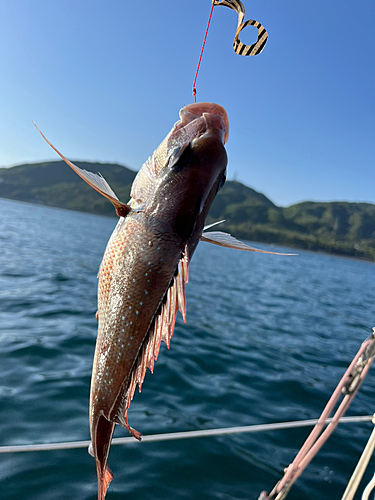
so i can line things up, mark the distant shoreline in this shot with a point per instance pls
(335, 228)
(252, 242)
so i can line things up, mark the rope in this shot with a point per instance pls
(181, 435)
(348, 385)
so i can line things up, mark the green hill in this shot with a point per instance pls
(55, 184)
(337, 227)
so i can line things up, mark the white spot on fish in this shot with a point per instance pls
(141, 303)
(146, 292)
(133, 280)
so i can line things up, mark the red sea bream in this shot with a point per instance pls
(145, 266)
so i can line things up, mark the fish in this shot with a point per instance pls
(145, 266)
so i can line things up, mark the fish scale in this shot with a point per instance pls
(137, 280)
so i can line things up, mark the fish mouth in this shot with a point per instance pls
(213, 113)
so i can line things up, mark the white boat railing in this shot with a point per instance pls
(70, 445)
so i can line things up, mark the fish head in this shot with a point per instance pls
(200, 124)
(214, 115)
(180, 180)
(192, 154)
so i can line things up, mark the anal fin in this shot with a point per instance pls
(161, 329)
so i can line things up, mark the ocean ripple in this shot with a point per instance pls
(267, 339)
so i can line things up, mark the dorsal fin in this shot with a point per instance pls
(96, 181)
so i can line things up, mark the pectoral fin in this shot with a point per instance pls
(96, 181)
(213, 224)
(226, 240)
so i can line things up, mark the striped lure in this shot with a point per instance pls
(240, 48)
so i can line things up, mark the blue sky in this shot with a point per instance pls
(105, 81)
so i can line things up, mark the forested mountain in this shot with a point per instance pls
(55, 184)
(337, 227)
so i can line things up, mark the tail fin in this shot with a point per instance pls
(102, 438)
(103, 481)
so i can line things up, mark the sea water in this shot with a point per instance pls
(267, 339)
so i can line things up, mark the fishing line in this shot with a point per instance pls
(201, 54)
(239, 48)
